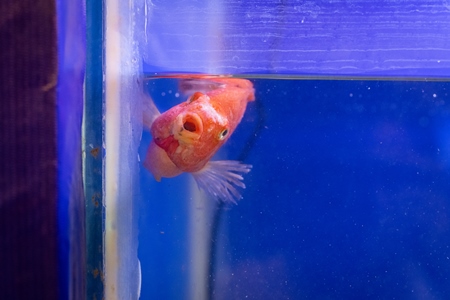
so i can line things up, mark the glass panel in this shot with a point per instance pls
(342, 169)
(71, 209)
(348, 197)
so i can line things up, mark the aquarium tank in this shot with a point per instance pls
(345, 139)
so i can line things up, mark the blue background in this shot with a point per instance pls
(348, 197)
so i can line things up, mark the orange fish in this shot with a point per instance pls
(187, 136)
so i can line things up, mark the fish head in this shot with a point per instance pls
(191, 132)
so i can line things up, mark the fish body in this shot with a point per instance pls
(188, 135)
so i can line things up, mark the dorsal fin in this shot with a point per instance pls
(195, 96)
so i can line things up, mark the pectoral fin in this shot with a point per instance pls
(150, 112)
(222, 178)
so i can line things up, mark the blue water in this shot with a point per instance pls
(348, 197)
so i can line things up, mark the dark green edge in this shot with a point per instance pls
(94, 152)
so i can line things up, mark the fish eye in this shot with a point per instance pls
(223, 134)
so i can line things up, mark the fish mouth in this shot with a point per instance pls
(187, 128)
(169, 144)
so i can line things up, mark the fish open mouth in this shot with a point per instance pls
(187, 128)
